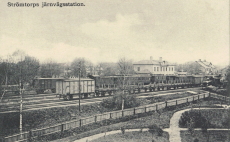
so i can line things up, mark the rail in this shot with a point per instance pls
(108, 115)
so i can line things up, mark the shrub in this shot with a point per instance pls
(115, 103)
(194, 117)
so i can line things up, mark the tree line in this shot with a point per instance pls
(22, 67)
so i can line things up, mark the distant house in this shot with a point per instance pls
(91, 70)
(155, 67)
(224, 73)
(206, 68)
(181, 73)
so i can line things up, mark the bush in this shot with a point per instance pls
(115, 103)
(154, 129)
(194, 117)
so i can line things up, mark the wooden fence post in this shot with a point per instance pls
(80, 122)
(122, 112)
(62, 129)
(187, 100)
(145, 109)
(110, 115)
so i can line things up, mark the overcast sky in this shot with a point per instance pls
(102, 30)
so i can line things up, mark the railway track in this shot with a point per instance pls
(46, 102)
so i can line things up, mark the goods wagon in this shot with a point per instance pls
(67, 88)
(42, 84)
(197, 80)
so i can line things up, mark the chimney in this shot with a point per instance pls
(151, 58)
(160, 59)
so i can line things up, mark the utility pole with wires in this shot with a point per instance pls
(21, 102)
(80, 87)
(122, 97)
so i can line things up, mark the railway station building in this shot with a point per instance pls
(154, 67)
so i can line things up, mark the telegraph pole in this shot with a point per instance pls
(123, 101)
(80, 87)
(21, 109)
(20, 92)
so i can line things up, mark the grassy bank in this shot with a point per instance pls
(48, 117)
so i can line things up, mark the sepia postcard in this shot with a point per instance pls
(107, 71)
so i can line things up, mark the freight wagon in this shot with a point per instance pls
(67, 88)
(42, 84)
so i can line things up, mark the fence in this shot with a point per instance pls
(109, 115)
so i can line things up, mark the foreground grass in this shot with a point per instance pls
(133, 137)
(214, 136)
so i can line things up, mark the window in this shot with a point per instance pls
(169, 68)
(166, 68)
(154, 68)
(172, 68)
(157, 68)
(138, 68)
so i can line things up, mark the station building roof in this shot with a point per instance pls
(205, 64)
(159, 62)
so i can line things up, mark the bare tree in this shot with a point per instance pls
(125, 69)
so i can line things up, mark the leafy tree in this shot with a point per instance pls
(50, 68)
(80, 64)
(109, 69)
(7, 69)
(228, 81)
(27, 69)
(189, 67)
(115, 103)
